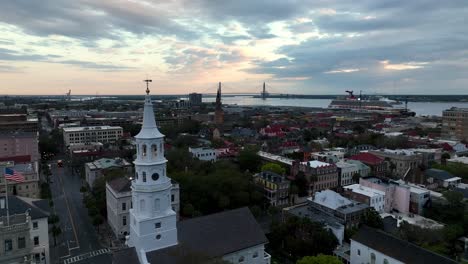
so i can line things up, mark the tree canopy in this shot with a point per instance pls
(211, 187)
(299, 237)
(319, 259)
(273, 167)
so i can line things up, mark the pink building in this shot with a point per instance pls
(19, 144)
(396, 196)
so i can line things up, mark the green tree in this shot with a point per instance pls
(56, 231)
(356, 177)
(249, 160)
(299, 237)
(373, 219)
(319, 259)
(273, 167)
(97, 221)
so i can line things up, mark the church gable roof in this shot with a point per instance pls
(213, 236)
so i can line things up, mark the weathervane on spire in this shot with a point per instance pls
(147, 81)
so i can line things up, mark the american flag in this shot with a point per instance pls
(13, 175)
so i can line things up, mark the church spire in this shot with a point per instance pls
(218, 97)
(149, 128)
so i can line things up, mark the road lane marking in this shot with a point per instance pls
(86, 255)
(69, 212)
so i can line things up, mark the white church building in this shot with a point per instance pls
(155, 234)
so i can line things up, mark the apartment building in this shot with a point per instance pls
(455, 123)
(275, 187)
(19, 144)
(372, 197)
(83, 135)
(206, 154)
(402, 159)
(346, 172)
(319, 175)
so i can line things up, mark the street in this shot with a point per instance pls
(78, 234)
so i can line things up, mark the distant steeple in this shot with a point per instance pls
(218, 97)
(219, 113)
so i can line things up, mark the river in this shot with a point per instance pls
(420, 108)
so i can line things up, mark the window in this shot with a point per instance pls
(144, 176)
(21, 242)
(255, 254)
(241, 259)
(8, 245)
(158, 237)
(36, 240)
(385, 261)
(124, 206)
(359, 252)
(136, 175)
(157, 225)
(155, 176)
(124, 220)
(372, 258)
(35, 225)
(143, 150)
(154, 150)
(156, 205)
(172, 197)
(142, 205)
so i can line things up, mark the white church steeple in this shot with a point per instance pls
(152, 220)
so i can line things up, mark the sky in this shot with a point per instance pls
(295, 46)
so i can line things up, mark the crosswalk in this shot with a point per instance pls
(86, 256)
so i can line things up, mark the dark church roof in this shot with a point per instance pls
(211, 236)
(398, 249)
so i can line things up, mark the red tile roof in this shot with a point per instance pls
(367, 158)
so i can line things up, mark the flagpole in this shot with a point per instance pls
(6, 194)
(6, 197)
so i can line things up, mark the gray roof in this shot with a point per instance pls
(121, 184)
(438, 174)
(18, 206)
(210, 236)
(396, 248)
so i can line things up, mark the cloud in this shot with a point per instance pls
(403, 66)
(343, 70)
(94, 66)
(317, 45)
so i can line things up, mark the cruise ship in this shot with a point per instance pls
(368, 105)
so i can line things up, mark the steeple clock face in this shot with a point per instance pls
(155, 176)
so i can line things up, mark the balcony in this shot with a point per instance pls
(266, 258)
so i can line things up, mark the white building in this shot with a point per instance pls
(372, 197)
(374, 246)
(364, 170)
(82, 135)
(346, 171)
(156, 236)
(119, 203)
(24, 235)
(95, 169)
(206, 154)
